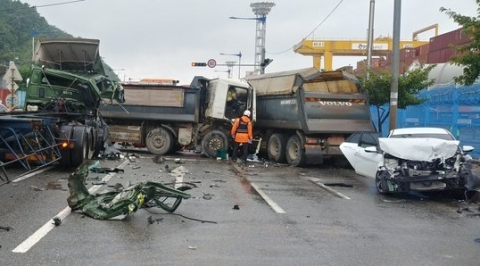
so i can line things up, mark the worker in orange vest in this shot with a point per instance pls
(242, 133)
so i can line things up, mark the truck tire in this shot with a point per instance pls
(81, 146)
(276, 147)
(294, 151)
(214, 141)
(159, 141)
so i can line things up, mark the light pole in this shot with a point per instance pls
(239, 60)
(261, 10)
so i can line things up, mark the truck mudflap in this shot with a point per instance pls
(338, 126)
(313, 154)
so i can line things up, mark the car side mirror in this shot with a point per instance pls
(371, 149)
(467, 148)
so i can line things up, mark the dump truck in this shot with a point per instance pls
(168, 117)
(59, 118)
(304, 115)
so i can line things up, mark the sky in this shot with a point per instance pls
(161, 38)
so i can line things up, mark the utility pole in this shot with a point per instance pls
(370, 38)
(395, 64)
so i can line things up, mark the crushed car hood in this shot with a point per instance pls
(419, 149)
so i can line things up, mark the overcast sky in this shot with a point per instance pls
(160, 38)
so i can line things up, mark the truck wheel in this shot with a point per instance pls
(294, 151)
(159, 141)
(81, 147)
(276, 147)
(214, 141)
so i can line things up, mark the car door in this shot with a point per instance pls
(365, 163)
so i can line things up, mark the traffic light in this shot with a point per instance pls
(266, 62)
(199, 64)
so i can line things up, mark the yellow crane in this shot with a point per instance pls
(328, 48)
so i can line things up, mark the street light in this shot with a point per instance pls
(261, 10)
(239, 60)
(261, 19)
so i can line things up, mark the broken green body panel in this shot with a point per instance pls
(70, 71)
(111, 204)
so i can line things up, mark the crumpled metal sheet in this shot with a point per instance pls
(116, 203)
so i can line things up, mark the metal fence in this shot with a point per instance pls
(456, 108)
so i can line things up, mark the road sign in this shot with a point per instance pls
(12, 86)
(211, 63)
(12, 73)
(11, 101)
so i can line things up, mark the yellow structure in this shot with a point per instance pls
(329, 48)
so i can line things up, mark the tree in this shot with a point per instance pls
(411, 83)
(468, 55)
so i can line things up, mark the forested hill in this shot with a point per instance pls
(19, 23)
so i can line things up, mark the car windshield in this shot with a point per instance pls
(424, 135)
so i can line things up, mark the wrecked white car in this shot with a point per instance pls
(412, 159)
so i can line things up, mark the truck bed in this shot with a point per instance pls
(155, 103)
(312, 101)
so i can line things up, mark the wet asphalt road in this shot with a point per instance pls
(285, 216)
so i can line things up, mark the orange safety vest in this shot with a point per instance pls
(242, 129)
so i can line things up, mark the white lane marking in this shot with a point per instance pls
(269, 201)
(319, 183)
(43, 231)
(32, 174)
(262, 194)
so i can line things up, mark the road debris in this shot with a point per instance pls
(158, 159)
(111, 204)
(338, 185)
(136, 167)
(6, 228)
(236, 207)
(207, 196)
(117, 186)
(152, 221)
(106, 170)
(35, 188)
(57, 221)
(132, 157)
(54, 185)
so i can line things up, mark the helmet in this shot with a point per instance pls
(247, 113)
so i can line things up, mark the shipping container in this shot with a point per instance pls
(440, 56)
(447, 40)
